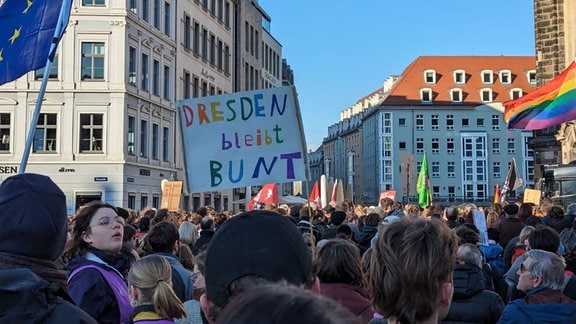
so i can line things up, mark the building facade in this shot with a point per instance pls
(108, 127)
(449, 107)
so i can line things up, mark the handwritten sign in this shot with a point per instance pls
(480, 222)
(171, 193)
(388, 194)
(532, 196)
(242, 139)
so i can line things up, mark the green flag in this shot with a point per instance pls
(423, 185)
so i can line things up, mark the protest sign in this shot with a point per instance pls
(242, 139)
(171, 193)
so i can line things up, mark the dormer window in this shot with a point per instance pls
(515, 93)
(459, 77)
(505, 77)
(486, 95)
(430, 76)
(456, 95)
(531, 76)
(426, 95)
(487, 76)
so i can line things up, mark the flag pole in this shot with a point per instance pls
(57, 34)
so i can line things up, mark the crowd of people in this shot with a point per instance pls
(344, 263)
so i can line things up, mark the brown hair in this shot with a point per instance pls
(410, 262)
(80, 224)
(339, 262)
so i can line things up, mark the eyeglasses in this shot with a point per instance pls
(107, 220)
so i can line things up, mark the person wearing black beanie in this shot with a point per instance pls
(32, 236)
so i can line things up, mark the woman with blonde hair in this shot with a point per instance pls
(150, 280)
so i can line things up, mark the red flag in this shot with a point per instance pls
(496, 194)
(315, 195)
(334, 196)
(267, 195)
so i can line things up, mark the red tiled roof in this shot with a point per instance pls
(406, 91)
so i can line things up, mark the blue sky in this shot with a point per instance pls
(341, 51)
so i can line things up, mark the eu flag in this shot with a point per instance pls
(27, 29)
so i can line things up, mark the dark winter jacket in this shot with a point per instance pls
(366, 235)
(353, 298)
(91, 292)
(472, 302)
(508, 229)
(202, 242)
(27, 298)
(541, 305)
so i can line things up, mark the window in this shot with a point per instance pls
(486, 95)
(220, 9)
(143, 201)
(213, 8)
(487, 76)
(92, 61)
(450, 168)
(456, 95)
(155, 141)
(531, 76)
(496, 170)
(45, 134)
(495, 122)
(134, 6)
(465, 122)
(450, 146)
(156, 78)
(435, 146)
(165, 143)
(195, 87)
(402, 122)
(4, 132)
(143, 138)
(515, 93)
(186, 84)
(157, 14)
(459, 77)
(146, 10)
(91, 129)
(219, 55)
(227, 14)
(166, 82)
(436, 169)
(212, 49)
(511, 146)
(496, 145)
(95, 3)
(131, 201)
(419, 122)
(196, 39)
(131, 134)
(167, 19)
(402, 145)
(420, 145)
(434, 122)
(145, 77)
(430, 76)
(204, 43)
(505, 77)
(204, 91)
(132, 66)
(156, 201)
(53, 75)
(187, 35)
(426, 95)
(226, 59)
(449, 122)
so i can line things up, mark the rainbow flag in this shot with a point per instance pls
(552, 104)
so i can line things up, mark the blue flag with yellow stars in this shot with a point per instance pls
(27, 29)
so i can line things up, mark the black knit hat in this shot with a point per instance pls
(259, 243)
(337, 217)
(33, 217)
